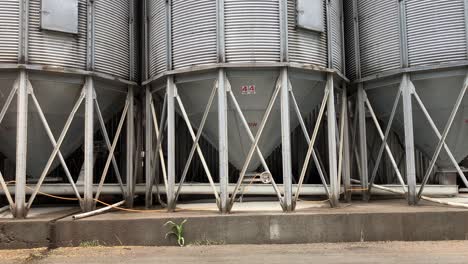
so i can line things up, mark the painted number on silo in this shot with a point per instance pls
(248, 89)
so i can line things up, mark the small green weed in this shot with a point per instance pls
(92, 243)
(177, 230)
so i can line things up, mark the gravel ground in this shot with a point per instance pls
(381, 252)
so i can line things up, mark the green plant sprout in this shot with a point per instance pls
(177, 231)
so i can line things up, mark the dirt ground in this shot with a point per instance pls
(382, 252)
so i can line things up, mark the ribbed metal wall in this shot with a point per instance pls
(9, 31)
(379, 35)
(157, 36)
(112, 43)
(46, 47)
(193, 32)
(350, 45)
(305, 46)
(252, 30)
(336, 34)
(436, 31)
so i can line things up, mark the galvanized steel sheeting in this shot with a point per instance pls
(350, 45)
(157, 37)
(56, 49)
(112, 43)
(252, 30)
(193, 32)
(305, 46)
(336, 34)
(9, 30)
(379, 36)
(436, 31)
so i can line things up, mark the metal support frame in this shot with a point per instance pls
(171, 147)
(195, 145)
(286, 141)
(333, 192)
(442, 138)
(223, 143)
(130, 148)
(361, 119)
(148, 148)
(88, 201)
(21, 145)
(407, 91)
(254, 145)
(345, 152)
(245, 124)
(409, 140)
(331, 126)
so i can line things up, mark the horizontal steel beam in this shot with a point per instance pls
(205, 188)
(215, 66)
(65, 70)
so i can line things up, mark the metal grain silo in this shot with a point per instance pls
(66, 66)
(221, 64)
(408, 59)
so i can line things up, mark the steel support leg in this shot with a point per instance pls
(286, 141)
(331, 120)
(130, 148)
(148, 149)
(21, 146)
(88, 201)
(223, 142)
(171, 95)
(346, 171)
(361, 98)
(409, 139)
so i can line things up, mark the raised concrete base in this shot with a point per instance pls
(374, 221)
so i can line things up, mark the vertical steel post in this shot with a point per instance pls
(331, 126)
(148, 148)
(88, 202)
(130, 155)
(171, 148)
(409, 139)
(21, 145)
(223, 144)
(362, 140)
(22, 115)
(130, 148)
(286, 141)
(346, 150)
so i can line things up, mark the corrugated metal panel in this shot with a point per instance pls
(58, 49)
(305, 46)
(9, 31)
(436, 31)
(350, 46)
(336, 38)
(135, 38)
(157, 36)
(252, 30)
(379, 35)
(112, 44)
(193, 32)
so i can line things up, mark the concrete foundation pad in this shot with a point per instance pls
(34, 231)
(313, 222)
